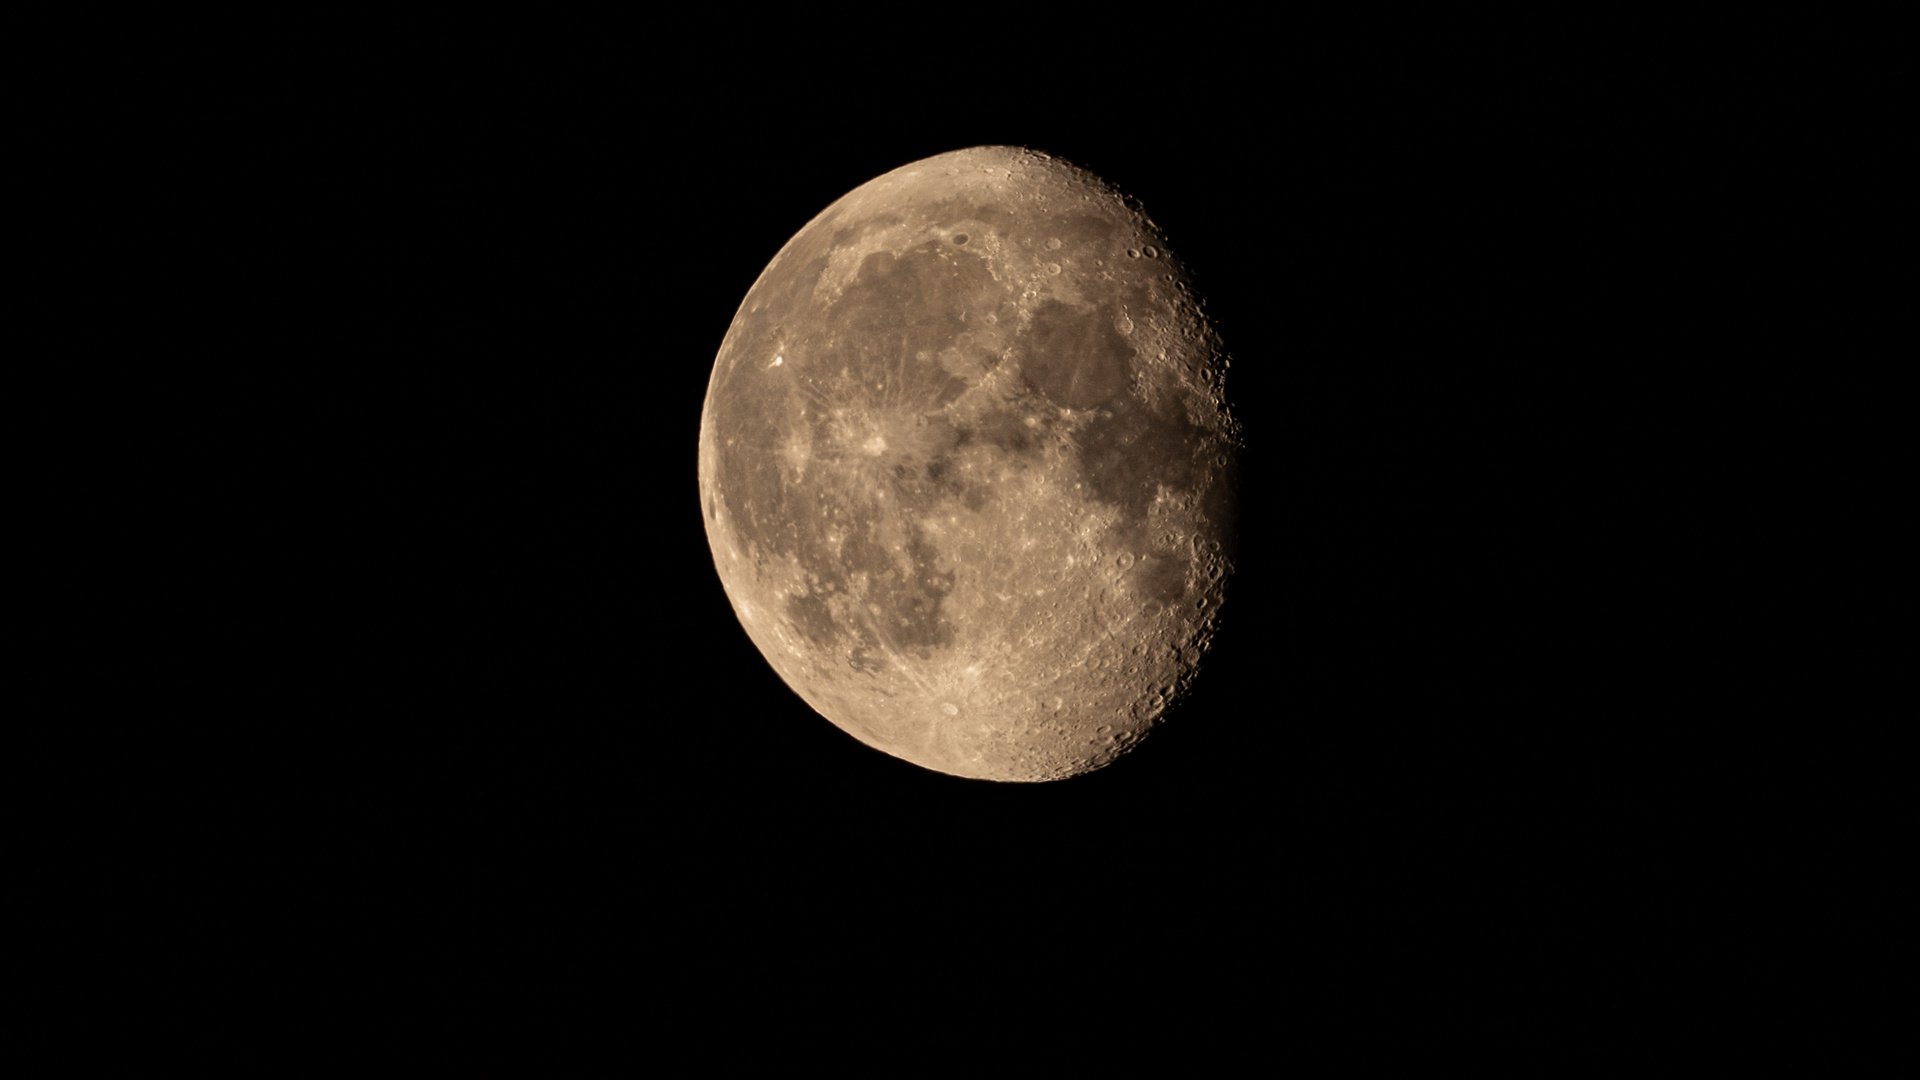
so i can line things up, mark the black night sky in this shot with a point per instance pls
(493, 315)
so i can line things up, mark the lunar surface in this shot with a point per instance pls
(967, 467)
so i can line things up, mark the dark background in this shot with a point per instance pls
(509, 690)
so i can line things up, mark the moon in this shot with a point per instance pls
(967, 467)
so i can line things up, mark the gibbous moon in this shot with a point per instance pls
(967, 467)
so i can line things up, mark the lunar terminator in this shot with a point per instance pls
(967, 467)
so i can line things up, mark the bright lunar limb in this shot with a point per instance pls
(967, 467)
